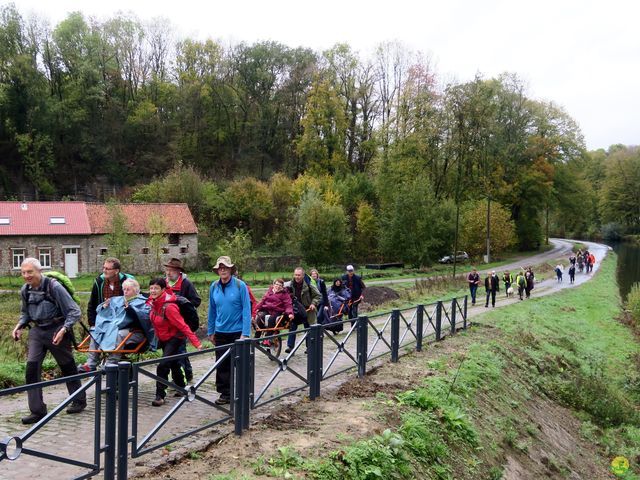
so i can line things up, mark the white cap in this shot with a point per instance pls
(350, 268)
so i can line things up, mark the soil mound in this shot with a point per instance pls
(374, 296)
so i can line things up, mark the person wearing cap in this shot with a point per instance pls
(356, 286)
(179, 284)
(492, 286)
(229, 319)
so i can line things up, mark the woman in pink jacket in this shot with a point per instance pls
(275, 302)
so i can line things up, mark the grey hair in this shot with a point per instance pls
(134, 283)
(34, 262)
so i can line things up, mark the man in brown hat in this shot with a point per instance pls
(229, 319)
(178, 282)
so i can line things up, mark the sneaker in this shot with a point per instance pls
(33, 418)
(287, 350)
(85, 367)
(158, 402)
(76, 407)
(222, 400)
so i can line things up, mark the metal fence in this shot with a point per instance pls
(258, 378)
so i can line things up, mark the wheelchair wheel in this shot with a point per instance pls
(275, 346)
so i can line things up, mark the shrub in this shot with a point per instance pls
(633, 301)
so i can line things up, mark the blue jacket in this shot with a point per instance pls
(229, 309)
(114, 317)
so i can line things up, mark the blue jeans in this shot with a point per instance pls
(291, 339)
(473, 289)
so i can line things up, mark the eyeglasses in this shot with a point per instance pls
(278, 285)
(107, 268)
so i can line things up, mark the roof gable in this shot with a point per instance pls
(44, 218)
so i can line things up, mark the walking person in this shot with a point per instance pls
(229, 320)
(492, 286)
(507, 278)
(521, 282)
(474, 280)
(322, 288)
(529, 278)
(309, 297)
(559, 270)
(171, 331)
(356, 286)
(178, 282)
(47, 305)
(572, 273)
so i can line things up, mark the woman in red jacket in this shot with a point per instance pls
(171, 332)
(275, 302)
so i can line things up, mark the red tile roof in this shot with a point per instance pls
(80, 218)
(34, 218)
(176, 216)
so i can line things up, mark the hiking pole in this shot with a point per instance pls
(464, 357)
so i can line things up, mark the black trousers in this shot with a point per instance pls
(223, 373)
(170, 347)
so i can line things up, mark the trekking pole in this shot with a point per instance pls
(456, 376)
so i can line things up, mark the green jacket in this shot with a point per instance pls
(310, 295)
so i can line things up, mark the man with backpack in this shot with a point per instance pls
(178, 282)
(309, 296)
(106, 285)
(229, 320)
(49, 307)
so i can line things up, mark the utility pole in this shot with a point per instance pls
(488, 229)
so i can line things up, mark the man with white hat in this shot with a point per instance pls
(229, 319)
(355, 284)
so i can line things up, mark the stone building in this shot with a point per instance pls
(72, 236)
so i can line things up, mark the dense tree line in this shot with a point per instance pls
(320, 152)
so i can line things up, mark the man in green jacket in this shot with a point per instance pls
(309, 296)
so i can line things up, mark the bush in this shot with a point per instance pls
(633, 301)
(612, 231)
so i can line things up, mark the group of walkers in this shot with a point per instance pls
(524, 282)
(582, 260)
(118, 313)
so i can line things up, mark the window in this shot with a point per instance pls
(18, 255)
(103, 251)
(57, 220)
(165, 250)
(5, 221)
(145, 251)
(184, 249)
(174, 239)
(44, 255)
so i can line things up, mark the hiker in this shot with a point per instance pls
(492, 286)
(507, 278)
(322, 288)
(309, 296)
(587, 261)
(339, 294)
(229, 319)
(356, 286)
(171, 331)
(106, 285)
(474, 280)
(49, 307)
(521, 282)
(178, 282)
(572, 273)
(528, 275)
(559, 270)
(276, 302)
(592, 262)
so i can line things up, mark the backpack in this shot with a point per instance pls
(48, 279)
(188, 313)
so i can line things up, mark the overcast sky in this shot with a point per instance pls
(581, 54)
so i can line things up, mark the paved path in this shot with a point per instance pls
(72, 435)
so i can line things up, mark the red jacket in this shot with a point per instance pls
(171, 324)
(273, 302)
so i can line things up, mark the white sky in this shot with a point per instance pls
(581, 54)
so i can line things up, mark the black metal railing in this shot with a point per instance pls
(257, 378)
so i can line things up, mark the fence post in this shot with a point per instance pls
(464, 314)
(438, 320)
(110, 421)
(238, 382)
(395, 335)
(123, 418)
(314, 360)
(362, 345)
(246, 381)
(419, 327)
(452, 317)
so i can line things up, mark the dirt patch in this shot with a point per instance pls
(285, 419)
(366, 388)
(377, 295)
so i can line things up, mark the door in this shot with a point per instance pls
(71, 262)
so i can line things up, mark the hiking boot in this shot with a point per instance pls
(287, 350)
(189, 377)
(222, 400)
(85, 367)
(76, 407)
(33, 418)
(158, 402)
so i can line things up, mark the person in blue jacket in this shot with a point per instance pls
(229, 319)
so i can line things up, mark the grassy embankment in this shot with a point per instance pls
(471, 411)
